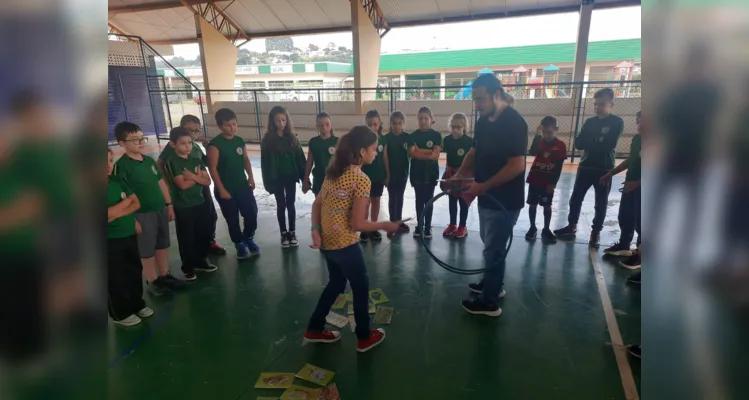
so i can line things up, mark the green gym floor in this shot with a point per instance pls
(552, 340)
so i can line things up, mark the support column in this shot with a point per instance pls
(366, 42)
(442, 84)
(218, 59)
(403, 85)
(581, 48)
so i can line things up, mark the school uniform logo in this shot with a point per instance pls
(430, 144)
(153, 169)
(331, 150)
(605, 130)
(196, 169)
(379, 148)
(405, 146)
(461, 152)
(122, 195)
(240, 151)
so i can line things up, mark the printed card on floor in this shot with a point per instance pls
(337, 320)
(340, 302)
(349, 296)
(352, 323)
(274, 380)
(350, 309)
(330, 392)
(376, 296)
(372, 308)
(300, 393)
(315, 374)
(383, 315)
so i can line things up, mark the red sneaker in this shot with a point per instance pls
(391, 234)
(450, 230)
(376, 337)
(461, 232)
(404, 228)
(322, 337)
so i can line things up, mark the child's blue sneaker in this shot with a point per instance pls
(252, 246)
(242, 252)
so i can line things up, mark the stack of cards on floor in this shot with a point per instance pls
(274, 380)
(377, 296)
(315, 374)
(295, 392)
(383, 315)
(337, 320)
(340, 302)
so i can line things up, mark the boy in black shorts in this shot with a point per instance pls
(142, 174)
(543, 177)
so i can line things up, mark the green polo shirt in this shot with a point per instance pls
(169, 152)
(398, 159)
(143, 176)
(192, 196)
(425, 171)
(634, 166)
(456, 149)
(118, 190)
(376, 171)
(20, 240)
(231, 155)
(322, 151)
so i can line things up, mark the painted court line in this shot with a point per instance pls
(620, 351)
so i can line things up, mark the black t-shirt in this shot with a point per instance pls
(496, 142)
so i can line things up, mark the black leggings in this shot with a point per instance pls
(396, 192)
(285, 196)
(424, 192)
(454, 201)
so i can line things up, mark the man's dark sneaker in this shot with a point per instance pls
(190, 276)
(171, 282)
(157, 287)
(531, 234)
(293, 242)
(284, 240)
(618, 250)
(595, 240)
(417, 232)
(479, 307)
(428, 233)
(216, 249)
(207, 267)
(363, 237)
(566, 231)
(635, 278)
(376, 235)
(635, 350)
(634, 262)
(479, 287)
(547, 236)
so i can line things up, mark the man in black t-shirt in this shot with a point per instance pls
(497, 161)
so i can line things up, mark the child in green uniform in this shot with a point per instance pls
(156, 210)
(283, 163)
(378, 172)
(192, 124)
(124, 269)
(234, 183)
(396, 154)
(321, 150)
(424, 148)
(188, 177)
(456, 147)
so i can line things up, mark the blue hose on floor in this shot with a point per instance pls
(430, 204)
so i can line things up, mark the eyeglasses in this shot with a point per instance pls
(142, 140)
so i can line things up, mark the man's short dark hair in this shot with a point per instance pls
(224, 115)
(177, 133)
(188, 118)
(123, 129)
(604, 93)
(549, 122)
(490, 83)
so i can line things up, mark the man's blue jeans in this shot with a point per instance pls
(495, 227)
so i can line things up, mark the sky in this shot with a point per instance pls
(609, 24)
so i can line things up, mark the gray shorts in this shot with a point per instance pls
(155, 235)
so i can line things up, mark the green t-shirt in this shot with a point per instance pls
(398, 160)
(376, 171)
(169, 152)
(20, 240)
(49, 168)
(634, 168)
(456, 149)
(231, 156)
(322, 151)
(143, 177)
(425, 171)
(192, 196)
(118, 190)
(597, 139)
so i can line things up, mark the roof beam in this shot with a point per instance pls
(220, 20)
(376, 16)
(162, 5)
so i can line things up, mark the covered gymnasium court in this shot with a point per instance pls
(566, 318)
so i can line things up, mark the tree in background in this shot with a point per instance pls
(244, 57)
(279, 44)
(312, 47)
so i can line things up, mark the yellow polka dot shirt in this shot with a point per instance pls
(337, 202)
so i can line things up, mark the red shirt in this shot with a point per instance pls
(543, 168)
